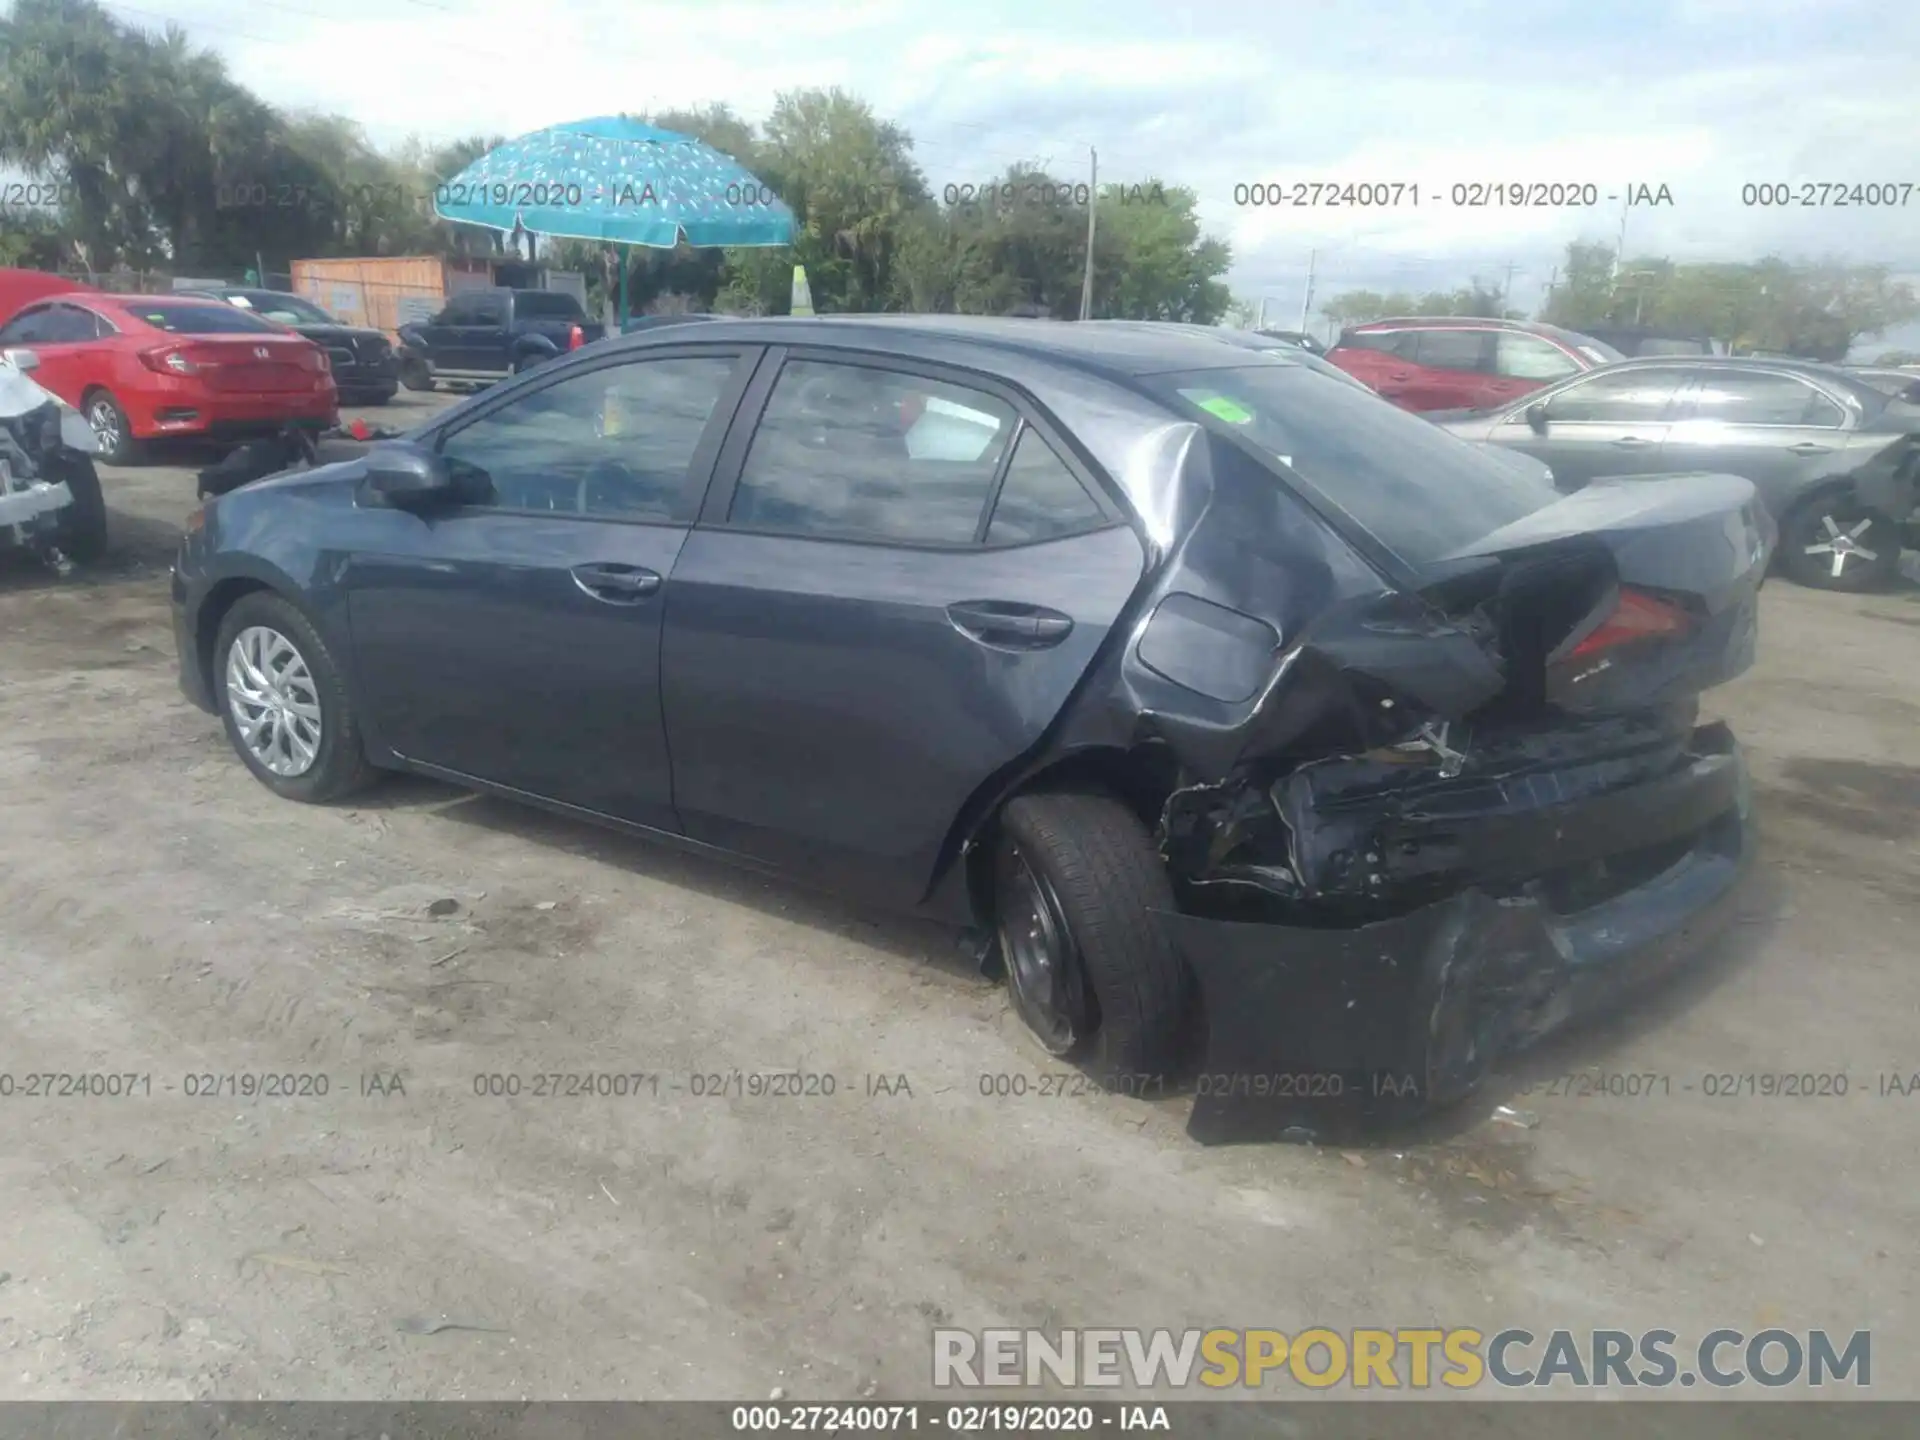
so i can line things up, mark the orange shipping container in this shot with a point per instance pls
(382, 291)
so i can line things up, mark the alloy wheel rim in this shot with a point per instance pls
(273, 700)
(1842, 544)
(1039, 955)
(106, 424)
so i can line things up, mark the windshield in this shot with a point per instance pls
(550, 304)
(1419, 491)
(206, 318)
(286, 309)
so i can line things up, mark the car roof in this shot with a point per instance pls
(1458, 322)
(1117, 349)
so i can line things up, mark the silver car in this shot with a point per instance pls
(1835, 460)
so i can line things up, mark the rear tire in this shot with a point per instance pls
(279, 644)
(1079, 873)
(1834, 542)
(112, 432)
(81, 528)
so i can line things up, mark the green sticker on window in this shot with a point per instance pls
(1228, 411)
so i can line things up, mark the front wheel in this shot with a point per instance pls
(284, 704)
(1089, 970)
(416, 374)
(1836, 543)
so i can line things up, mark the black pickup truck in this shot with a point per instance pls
(486, 335)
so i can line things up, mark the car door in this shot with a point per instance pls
(1524, 363)
(1613, 421)
(514, 637)
(445, 331)
(900, 575)
(1449, 370)
(62, 336)
(1770, 426)
(483, 339)
(1379, 359)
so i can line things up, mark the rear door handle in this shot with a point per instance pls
(615, 583)
(1807, 447)
(1632, 442)
(1009, 625)
(1399, 375)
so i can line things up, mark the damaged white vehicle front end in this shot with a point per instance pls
(50, 499)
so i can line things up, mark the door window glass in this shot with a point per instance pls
(1528, 357)
(615, 441)
(1041, 499)
(857, 453)
(1451, 349)
(1625, 397)
(1742, 397)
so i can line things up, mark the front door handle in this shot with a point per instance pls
(1807, 447)
(1010, 625)
(616, 584)
(1632, 442)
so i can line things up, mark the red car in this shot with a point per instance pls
(1427, 363)
(147, 367)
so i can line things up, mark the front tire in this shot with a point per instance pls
(416, 374)
(1834, 542)
(1089, 970)
(284, 703)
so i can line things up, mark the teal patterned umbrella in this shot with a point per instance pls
(617, 180)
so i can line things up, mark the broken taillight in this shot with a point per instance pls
(576, 337)
(1635, 616)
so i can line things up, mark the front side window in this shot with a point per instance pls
(1624, 397)
(25, 328)
(851, 452)
(1735, 397)
(615, 442)
(1528, 357)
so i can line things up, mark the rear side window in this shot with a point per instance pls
(1041, 499)
(1453, 349)
(1420, 492)
(855, 453)
(1739, 397)
(211, 317)
(1391, 342)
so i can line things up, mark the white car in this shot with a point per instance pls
(50, 500)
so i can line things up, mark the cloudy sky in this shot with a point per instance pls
(1702, 96)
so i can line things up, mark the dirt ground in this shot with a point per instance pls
(162, 914)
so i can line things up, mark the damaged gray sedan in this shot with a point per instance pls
(1252, 726)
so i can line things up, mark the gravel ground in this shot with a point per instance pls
(161, 913)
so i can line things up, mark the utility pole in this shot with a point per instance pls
(1619, 247)
(1306, 302)
(1506, 286)
(1093, 211)
(1546, 297)
(1260, 320)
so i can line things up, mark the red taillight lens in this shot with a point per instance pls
(576, 337)
(1635, 616)
(168, 362)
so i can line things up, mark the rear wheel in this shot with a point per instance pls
(284, 702)
(1089, 970)
(81, 528)
(1834, 542)
(111, 431)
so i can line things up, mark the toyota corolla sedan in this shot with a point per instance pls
(1194, 684)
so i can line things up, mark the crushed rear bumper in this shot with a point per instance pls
(1314, 1032)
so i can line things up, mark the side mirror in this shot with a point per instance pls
(408, 477)
(22, 360)
(1537, 417)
